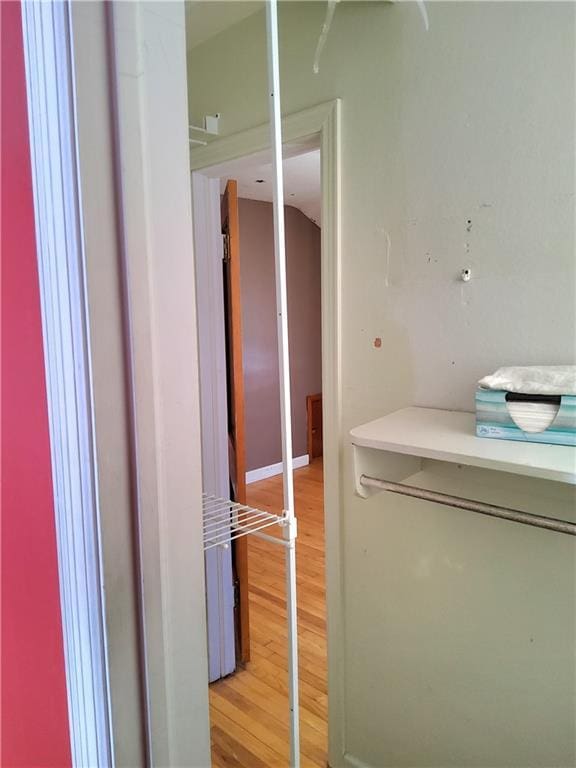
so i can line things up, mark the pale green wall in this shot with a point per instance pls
(459, 632)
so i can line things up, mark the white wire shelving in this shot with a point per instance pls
(225, 521)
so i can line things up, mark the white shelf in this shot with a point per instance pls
(225, 521)
(428, 433)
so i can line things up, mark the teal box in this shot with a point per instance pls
(493, 419)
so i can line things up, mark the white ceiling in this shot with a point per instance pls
(206, 18)
(301, 183)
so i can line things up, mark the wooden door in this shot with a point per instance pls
(235, 389)
(314, 411)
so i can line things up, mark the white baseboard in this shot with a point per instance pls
(274, 469)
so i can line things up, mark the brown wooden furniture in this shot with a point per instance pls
(314, 420)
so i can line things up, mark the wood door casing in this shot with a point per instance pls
(314, 425)
(235, 390)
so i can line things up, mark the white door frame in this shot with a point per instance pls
(149, 80)
(323, 122)
(138, 69)
(206, 196)
(52, 116)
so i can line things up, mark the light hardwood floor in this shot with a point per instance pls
(249, 710)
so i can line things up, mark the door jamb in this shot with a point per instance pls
(323, 121)
(52, 122)
(148, 74)
(144, 75)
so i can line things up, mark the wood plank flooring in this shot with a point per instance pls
(249, 710)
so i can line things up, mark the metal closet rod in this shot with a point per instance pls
(515, 515)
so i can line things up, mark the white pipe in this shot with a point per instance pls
(423, 13)
(271, 539)
(284, 370)
(324, 35)
(292, 619)
(280, 253)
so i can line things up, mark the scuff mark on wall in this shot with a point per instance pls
(424, 14)
(330, 9)
(387, 256)
(467, 242)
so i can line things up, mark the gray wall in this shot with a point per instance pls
(263, 440)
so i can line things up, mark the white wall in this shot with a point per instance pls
(457, 148)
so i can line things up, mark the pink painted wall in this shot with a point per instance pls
(261, 382)
(34, 708)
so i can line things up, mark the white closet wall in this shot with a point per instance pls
(457, 152)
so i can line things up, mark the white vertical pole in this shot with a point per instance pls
(280, 251)
(284, 368)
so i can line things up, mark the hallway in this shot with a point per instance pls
(249, 710)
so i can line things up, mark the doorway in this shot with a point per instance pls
(246, 611)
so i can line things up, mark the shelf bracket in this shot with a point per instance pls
(374, 462)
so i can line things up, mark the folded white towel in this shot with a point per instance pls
(534, 379)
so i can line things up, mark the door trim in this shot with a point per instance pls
(144, 87)
(322, 124)
(65, 323)
(148, 79)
